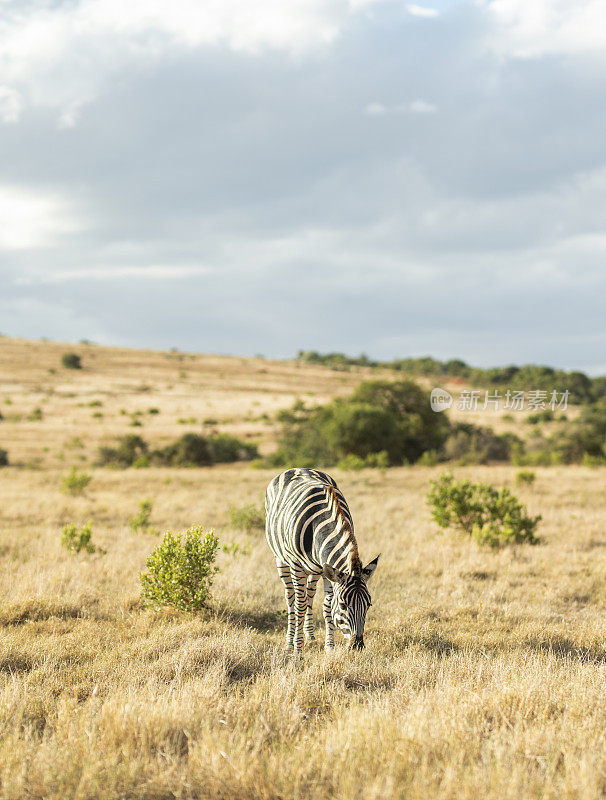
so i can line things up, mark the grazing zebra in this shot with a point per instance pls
(310, 532)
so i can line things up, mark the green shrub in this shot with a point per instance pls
(225, 449)
(153, 410)
(36, 415)
(180, 570)
(581, 440)
(190, 450)
(77, 540)
(380, 417)
(71, 361)
(3, 458)
(473, 444)
(540, 416)
(75, 482)
(351, 462)
(490, 516)
(525, 477)
(428, 459)
(235, 549)
(195, 450)
(130, 448)
(140, 521)
(378, 460)
(584, 436)
(247, 518)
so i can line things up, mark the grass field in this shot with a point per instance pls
(484, 674)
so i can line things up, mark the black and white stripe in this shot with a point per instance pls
(311, 534)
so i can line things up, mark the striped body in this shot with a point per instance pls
(310, 531)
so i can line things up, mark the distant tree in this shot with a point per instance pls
(71, 361)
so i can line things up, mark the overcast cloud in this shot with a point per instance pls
(356, 175)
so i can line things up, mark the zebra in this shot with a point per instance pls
(310, 531)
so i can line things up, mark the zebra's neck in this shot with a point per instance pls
(341, 549)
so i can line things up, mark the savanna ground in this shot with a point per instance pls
(484, 674)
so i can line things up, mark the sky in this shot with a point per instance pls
(338, 175)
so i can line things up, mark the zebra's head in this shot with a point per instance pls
(351, 600)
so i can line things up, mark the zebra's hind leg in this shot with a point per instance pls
(312, 582)
(289, 591)
(299, 580)
(329, 643)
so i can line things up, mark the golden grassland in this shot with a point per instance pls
(484, 674)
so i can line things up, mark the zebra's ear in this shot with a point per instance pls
(370, 568)
(334, 575)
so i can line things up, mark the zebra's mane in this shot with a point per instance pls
(353, 562)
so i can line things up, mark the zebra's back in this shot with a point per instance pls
(308, 522)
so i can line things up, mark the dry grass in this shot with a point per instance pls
(483, 677)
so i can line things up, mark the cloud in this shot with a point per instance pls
(422, 107)
(32, 219)
(63, 55)
(376, 110)
(548, 27)
(423, 11)
(413, 107)
(10, 104)
(399, 188)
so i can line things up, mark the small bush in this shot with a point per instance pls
(77, 540)
(71, 361)
(195, 450)
(525, 477)
(247, 518)
(36, 415)
(540, 416)
(129, 449)
(351, 461)
(180, 570)
(473, 444)
(225, 449)
(235, 549)
(153, 410)
(489, 516)
(3, 458)
(75, 482)
(140, 521)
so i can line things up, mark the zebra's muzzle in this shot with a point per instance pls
(357, 643)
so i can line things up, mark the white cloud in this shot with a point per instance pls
(558, 27)
(418, 106)
(61, 56)
(158, 272)
(422, 107)
(10, 104)
(32, 220)
(375, 110)
(423, 11)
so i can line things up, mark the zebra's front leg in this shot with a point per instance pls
(329, 643)
(299, 579)
(312, 582)
(289, 591)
